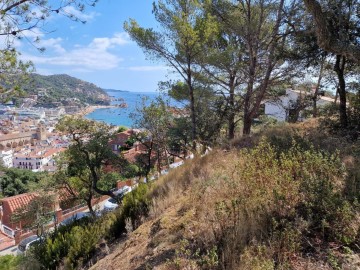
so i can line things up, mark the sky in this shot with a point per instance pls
(99, 51)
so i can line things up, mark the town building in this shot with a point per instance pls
(20, 138)
(120, 140)
(55, 113)
(37, 160)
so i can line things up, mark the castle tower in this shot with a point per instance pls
(41, 133)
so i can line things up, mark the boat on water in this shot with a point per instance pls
(122, 105)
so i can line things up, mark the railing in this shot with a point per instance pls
(66, 211)
(8, 231)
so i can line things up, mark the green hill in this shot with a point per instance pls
(64, 89)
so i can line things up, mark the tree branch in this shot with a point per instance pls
(326, 37)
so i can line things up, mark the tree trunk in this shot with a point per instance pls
(247, 112)
(250, 110)
(247, 124)
(232, 125)
(88, 203)
(317, 88)
(193, 117)
(166, 154)
(231, 117)
(339, 69)
(158, 160)
(148, 165)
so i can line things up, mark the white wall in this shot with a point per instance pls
(6, 158)
(278, 108)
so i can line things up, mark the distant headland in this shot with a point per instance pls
(114, 90)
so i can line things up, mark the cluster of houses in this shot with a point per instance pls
(37, 154)
(34, 150)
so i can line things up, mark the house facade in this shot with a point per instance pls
(36, 160)
(280, 107)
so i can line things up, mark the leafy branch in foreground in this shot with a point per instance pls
(14, 74)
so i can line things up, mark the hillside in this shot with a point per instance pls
(61, 88)
(285, 198)
(288, 202)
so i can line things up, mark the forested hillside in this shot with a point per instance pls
(59, 88)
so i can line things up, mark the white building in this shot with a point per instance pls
(280, 107)
(56, 112)
(36, 160)
(6, 157)
(30, 113)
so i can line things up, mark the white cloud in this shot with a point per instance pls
(104, 43)
(43, 71)
(148, 68)
(95, 56)
(52, 43)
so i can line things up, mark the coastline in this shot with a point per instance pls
(92, 108)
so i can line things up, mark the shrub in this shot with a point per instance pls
(122, 129)
(10, 262)
(134, 208)
(186, 258)
(257, 257)
(275, 197)
(73, 244)
(135, 205)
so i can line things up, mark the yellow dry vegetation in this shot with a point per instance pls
(287, 202)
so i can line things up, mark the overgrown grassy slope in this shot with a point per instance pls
(287, 201)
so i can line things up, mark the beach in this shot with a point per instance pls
(92, 108)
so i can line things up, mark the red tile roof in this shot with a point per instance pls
(64, 194)
(122, 137)
(18, 201)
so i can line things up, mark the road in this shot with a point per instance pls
(9, 251)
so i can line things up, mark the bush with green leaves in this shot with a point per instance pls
(10, 262)
(74, 245)
(134, 208)
(135, 204)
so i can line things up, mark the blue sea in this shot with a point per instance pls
(121, 116)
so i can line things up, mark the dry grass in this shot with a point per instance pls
(259, 207)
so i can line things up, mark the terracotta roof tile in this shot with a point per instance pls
(122, 137)
(18, 201)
